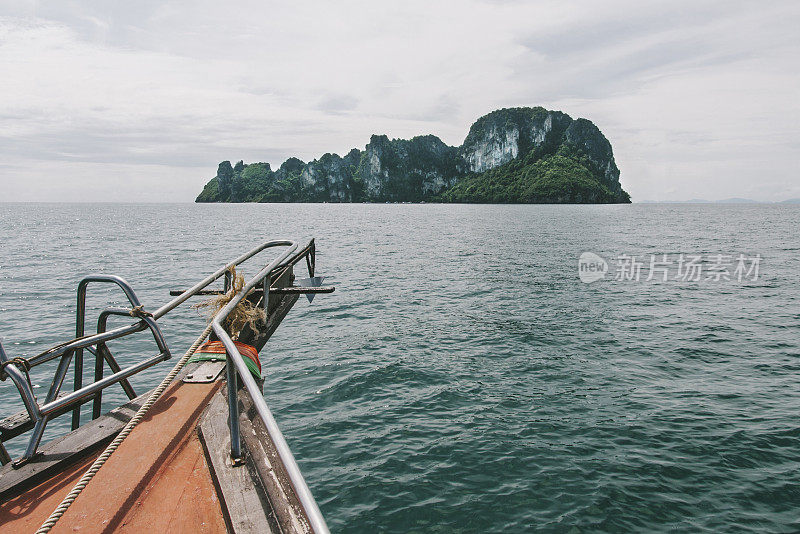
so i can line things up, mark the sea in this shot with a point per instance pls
(479, 368)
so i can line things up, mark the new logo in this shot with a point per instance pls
(591, 267)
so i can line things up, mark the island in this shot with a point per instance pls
(513, 155)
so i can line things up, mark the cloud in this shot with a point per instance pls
(695, 98)
(338, 103)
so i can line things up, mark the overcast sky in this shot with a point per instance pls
(139, 101)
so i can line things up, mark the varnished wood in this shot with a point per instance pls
(26, 511)
(182, 498)
(139, 461)
(66, 450)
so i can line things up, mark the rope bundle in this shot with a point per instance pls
(245, 312)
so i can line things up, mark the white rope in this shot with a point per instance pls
(72, 495)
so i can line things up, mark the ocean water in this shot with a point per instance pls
(462, 378)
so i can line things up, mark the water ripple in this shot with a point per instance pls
(461, 378)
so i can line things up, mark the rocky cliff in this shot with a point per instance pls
(509, 155)
(401, 170)
(503, 135)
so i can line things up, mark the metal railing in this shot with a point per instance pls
(55, 404)
(236, 366)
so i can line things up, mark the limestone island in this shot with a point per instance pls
(513, 155)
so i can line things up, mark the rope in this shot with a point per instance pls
(139, 311)
(72, 495)
(245, 313)
(21, 363)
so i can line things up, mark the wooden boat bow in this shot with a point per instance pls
(208, 455)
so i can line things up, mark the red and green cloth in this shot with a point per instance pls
(215, 350)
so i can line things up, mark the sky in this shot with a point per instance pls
(124, 101)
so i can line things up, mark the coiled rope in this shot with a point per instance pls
(72, 495)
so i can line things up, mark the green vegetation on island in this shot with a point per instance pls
(516, 155)
(566, 177)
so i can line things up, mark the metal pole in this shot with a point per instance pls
(233, 411)
(85, 391)
(304, 495)
(293, 471)
(174, 303)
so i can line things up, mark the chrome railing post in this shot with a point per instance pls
(233, 411)
(77, 354)
(80, 320)
(25, 391)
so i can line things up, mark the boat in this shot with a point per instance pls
(201, 452)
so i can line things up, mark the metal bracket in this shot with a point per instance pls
(312, 282)
(206, 372)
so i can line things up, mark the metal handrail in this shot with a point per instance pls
(160, 312)
(80, 325)
(236, 366)
(40, 414)
(180, 299)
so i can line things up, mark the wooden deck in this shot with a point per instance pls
(27, 511)
(157, 480)
(173, 473)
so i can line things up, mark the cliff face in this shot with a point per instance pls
(586, 137)
(330, 179)
(401, 170)
(500, 136)
(509, 155)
